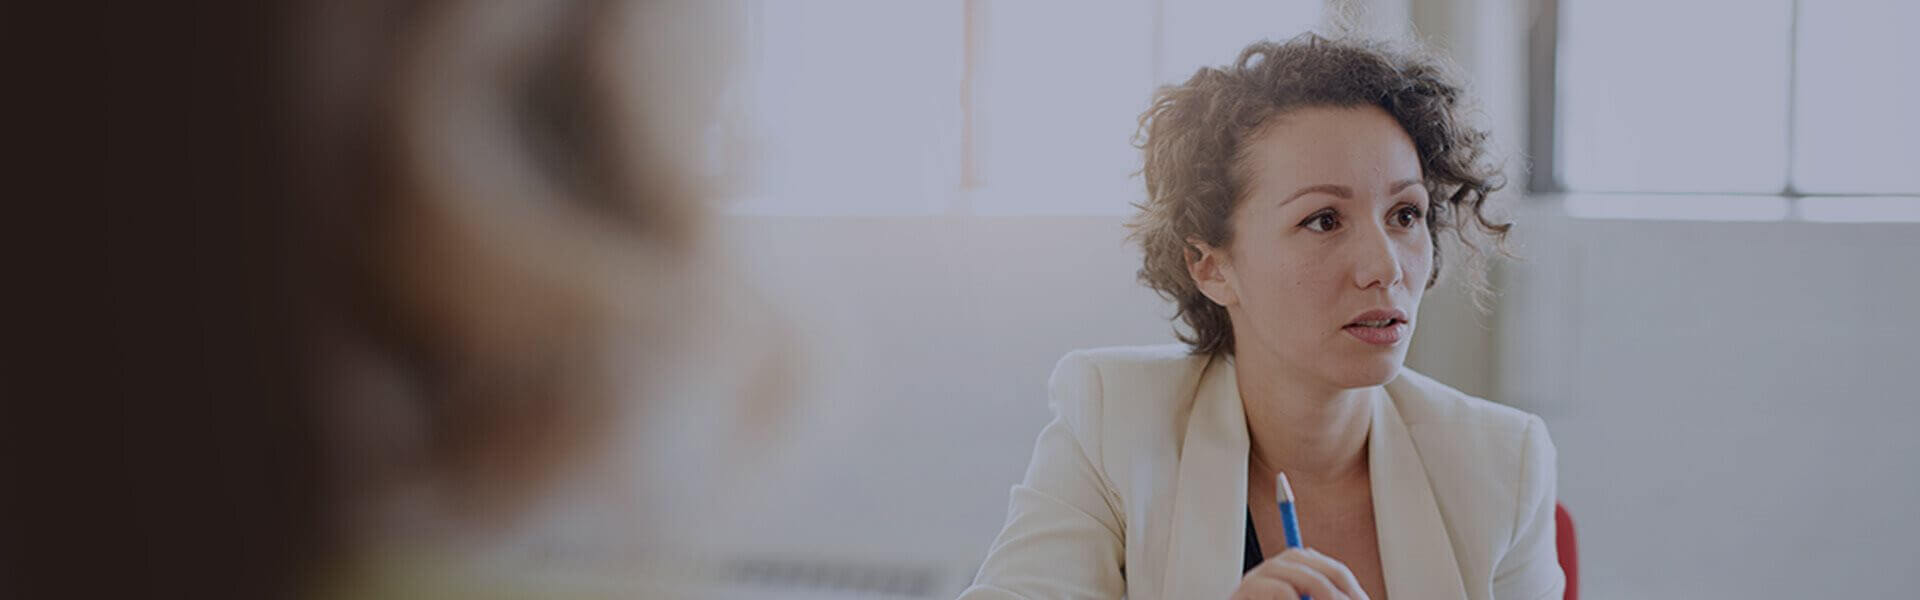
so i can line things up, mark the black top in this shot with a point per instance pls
(1253, 556)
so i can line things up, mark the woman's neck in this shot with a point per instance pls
(1313, 433)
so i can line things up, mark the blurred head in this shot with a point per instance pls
(1296, 198)
(464, 243)
(509, 218)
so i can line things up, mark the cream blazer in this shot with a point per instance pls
(1138, 488)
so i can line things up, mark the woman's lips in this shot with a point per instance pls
(1379, 336)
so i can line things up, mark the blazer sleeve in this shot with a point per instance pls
(1063, 536)
(1530, 569)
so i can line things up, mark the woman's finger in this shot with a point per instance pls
(1334, 570)
(1301, 577)
(1259, 587)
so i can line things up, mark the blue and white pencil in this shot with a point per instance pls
(1289, 524)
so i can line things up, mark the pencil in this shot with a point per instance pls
(1289, 524)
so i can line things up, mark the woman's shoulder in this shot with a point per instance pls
(1104, 391)
(1474, 442)
(1425, 403)
(1490, 466)
(1127, 375)
(1159, 356)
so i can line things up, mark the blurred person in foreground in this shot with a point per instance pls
(1296, 200)
(475, 339)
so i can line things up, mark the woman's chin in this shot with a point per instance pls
(1368, 372)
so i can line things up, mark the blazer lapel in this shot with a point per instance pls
(1415, 550)
(1210, 500)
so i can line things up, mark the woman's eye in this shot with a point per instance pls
(1407, 216)
(1321, 222)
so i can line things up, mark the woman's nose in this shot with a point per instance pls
(1376, 261)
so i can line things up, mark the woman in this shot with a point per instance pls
(1295, 205)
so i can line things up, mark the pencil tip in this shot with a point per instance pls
(1285, 491)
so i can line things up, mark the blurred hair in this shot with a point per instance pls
(1195, 134)
(500, 204)
(423, 228)
(489, 227)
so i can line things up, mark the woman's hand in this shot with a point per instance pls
(1300, 572)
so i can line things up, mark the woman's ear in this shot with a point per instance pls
(1211, 272)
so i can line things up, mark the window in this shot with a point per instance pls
(845, 107)
(1058, 108)
(876, 107)
(1858, 92)
(1741, 109)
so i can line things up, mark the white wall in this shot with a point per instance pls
(1733, 402)
(929, 341)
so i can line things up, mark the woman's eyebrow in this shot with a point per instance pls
(1324, 188)
(1342, 191)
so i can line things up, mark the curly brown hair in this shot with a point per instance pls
(1193, 137)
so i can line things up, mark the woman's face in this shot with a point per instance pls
(1330, 251)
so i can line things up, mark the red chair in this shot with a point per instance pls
(1569, 552)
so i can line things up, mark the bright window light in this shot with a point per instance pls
(1858, 124)
(861, 107)
(1058, 118)
(1659, 96)
(852, 107)
(1211, 33)
(1061, 86)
